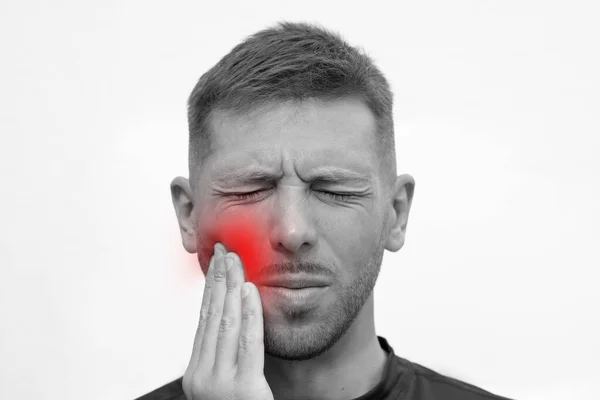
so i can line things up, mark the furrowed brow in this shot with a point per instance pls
(323, 175)
(245, 177)
(337, 175)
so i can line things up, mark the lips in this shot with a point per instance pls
(295, 281)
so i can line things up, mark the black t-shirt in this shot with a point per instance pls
(402, 380)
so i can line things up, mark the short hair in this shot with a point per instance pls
(290, 61)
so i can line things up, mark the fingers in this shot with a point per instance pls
(251, 356)
(214, 313)
(208, 283)
(231, 321)
(203, 312)
(230, 332)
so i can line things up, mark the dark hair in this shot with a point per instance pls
(290, 61)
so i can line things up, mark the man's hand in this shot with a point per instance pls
(227, 360)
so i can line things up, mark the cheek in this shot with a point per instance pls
(245, 233)
(353, 237)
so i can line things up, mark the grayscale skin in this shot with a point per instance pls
(332, 206)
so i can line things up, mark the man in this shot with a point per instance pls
(292, 199)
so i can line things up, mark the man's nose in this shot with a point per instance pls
(293, 225)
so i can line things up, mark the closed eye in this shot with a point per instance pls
(246, 196)
(251, 195)
(337, 196)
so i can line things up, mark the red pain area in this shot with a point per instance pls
(246, 234)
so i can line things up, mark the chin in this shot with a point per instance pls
(304, 338)
(295, 344)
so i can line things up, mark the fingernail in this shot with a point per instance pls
(245, 290)
(229, 262)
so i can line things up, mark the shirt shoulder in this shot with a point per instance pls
(431, 385)
(171, 391)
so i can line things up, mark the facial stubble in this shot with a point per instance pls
(297, 342)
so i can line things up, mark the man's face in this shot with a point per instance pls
(296, 189)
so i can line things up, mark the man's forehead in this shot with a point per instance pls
(348, 120)
(299, 136)
(352, 162)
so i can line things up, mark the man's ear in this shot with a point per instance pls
(183, 201)
(401, 198)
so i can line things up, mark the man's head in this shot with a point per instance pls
(293, 131)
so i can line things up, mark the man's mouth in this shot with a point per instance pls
(294, 291)
(295, 281)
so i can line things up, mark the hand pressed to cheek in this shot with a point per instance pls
(226, 359)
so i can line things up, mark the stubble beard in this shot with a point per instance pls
(309, 341)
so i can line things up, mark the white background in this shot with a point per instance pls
(497, 119)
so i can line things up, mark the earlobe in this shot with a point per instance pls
(401, 199)
(183, 202)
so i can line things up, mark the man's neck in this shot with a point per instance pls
(352, 367)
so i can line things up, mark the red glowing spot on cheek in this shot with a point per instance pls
(246, 234)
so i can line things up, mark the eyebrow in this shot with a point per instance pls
(337, 175)
(245, 176)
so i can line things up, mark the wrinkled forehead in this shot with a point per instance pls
(312, 134)
(324, 164)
